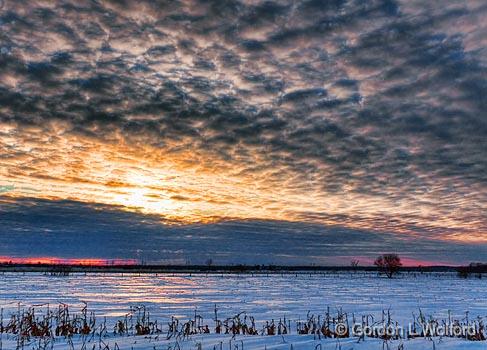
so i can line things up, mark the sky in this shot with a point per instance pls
(286, 132)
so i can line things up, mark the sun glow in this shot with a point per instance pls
(186, 188)
(143, 200)
(137, 198)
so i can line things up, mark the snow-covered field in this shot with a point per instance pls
(439, 296)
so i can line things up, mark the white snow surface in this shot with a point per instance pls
(265, 297)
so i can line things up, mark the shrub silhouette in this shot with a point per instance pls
(389, 264)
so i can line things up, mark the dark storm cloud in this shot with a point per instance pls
(69, 229)
(376, 98)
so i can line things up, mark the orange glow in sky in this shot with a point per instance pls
(182, 191)
(301, 114)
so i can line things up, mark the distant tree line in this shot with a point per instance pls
(476, 269)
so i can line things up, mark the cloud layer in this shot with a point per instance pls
(69, 229)
(369, 115)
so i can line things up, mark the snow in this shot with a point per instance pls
(265, 297)
(295, 342)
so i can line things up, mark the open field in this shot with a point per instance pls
(205, 269)
(304, 301)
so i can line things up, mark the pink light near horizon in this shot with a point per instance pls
(406, 261)
(50, 260)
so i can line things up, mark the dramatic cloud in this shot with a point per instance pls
(68, 229)
(369, 115)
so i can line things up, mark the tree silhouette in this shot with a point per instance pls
(389, 264)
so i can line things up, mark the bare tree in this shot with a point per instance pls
(354, 263)
(389, 264)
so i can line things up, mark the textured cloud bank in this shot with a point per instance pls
(68, 229)
(364, 114)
